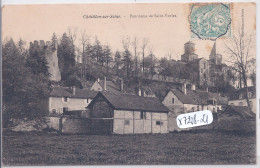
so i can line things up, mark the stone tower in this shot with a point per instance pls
(52, 59)
(189, 52)
(214, 57)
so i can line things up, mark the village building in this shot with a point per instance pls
(106, 86)
(203, 72)
(127, 114)
(239, 98)
(62, 99)
(237, 118)
(181, 101)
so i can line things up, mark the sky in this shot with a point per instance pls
(165, 34)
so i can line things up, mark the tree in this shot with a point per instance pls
(145, 41)
(84, 41)
(135, 45)
(118, 62)
(152, 61)
(23, 91)
(66, 55)
(37, 61)
(239, 50)
(107, 56)
(127, 56)
(97, 52)
(253, 78)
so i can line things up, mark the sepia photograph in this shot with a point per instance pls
(129, 84)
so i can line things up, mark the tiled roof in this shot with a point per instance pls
(242, 111)
(198, 97)
(67, 92)
(111, 87)
(132, 102)
(235, 96)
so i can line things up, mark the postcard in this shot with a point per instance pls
(129, 84)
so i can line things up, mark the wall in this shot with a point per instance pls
(53, 67)
(96, 87)
(236, 103)
(129, 122)
(73, 104)
(176, 109)
(74, 125)
(53, 122)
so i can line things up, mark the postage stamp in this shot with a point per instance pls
(210, 21)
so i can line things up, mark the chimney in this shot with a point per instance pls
(122, 85)
(184, 89)
(207, 89)
(105, 84)
(73, 90)
(193, 87)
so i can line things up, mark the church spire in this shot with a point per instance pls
(214, 50)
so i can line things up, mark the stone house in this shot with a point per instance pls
(127, 114)
(184, 101)
(69, 99)
(239, 98)
(106, 86)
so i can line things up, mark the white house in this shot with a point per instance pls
(184, 101)
(106, 86)
(239, 98)
(68, 99)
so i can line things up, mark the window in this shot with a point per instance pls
(143, 115)
(201, 70)
(213, 101)
(249, 95)
(251, 104)
(192, 109)
(65, 109)
(240, 104)
(241, 96)
(127, 122)
(204, 65)
(232, 104)
(53, 111)
(86, 100)
(217, 109)
(198, 108)
(65, 99)
(159, 123)
(214, 110)
(172, 100)
(205, 76)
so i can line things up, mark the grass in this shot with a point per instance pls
(174, 148)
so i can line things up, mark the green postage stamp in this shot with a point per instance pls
(210, 21)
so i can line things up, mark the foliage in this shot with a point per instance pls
(66, 56)
(24, 91)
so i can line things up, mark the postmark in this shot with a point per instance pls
(210, 21)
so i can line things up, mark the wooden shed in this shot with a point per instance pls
(127, 114)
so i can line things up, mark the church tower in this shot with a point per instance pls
(214, 57)
(189, 52)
